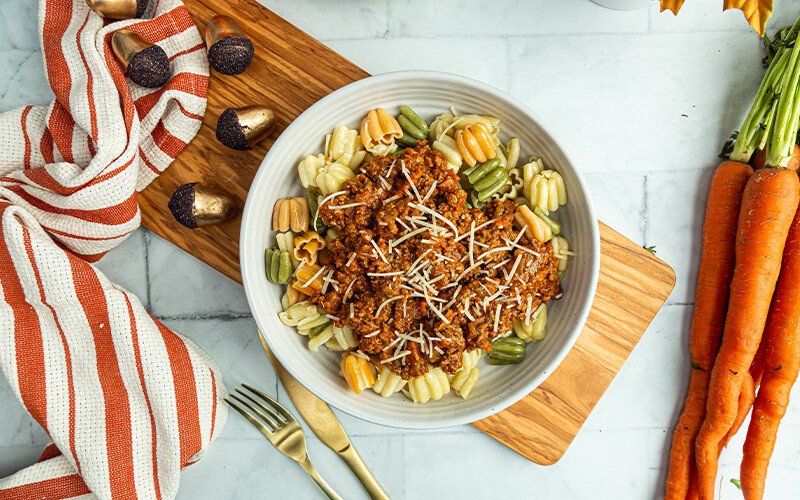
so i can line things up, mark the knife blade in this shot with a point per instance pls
(321, 419)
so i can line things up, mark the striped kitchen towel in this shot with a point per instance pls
(126, 402)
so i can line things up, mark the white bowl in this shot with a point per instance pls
(429, 93)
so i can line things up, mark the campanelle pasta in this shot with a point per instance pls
(391, 207)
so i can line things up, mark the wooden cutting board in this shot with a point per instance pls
(290, 73)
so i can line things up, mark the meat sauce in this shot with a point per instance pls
(418, 275)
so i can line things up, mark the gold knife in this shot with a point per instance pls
(321, 419)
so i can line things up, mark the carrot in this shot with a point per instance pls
(711, 299)
(780, 363)
(760, 157)
(747, 395)
(768, 206)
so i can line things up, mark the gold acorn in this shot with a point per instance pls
(143, 62)
(229, 51)
(118, 9)
(243, 128)
(195, 205)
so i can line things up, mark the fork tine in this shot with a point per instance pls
(267, 409)
(261, 414)
(283, 411)
(253, 420)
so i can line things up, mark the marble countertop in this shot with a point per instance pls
(642, 100)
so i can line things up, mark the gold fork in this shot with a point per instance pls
(280, 428)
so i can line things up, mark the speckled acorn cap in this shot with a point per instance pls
(243, 128)
(229, 51)
(118, 9)
(144, 63)
(195, 205)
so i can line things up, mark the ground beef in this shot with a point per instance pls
(420, 301)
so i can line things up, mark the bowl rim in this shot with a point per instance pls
(523, 389)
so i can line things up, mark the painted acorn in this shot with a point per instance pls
(118, 9)
(243, 128)
(195, 205)
(229, 51)
(143, 62)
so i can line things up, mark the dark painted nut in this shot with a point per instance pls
(143, 62)
(245, 127)
(229, 51)
(118, 9)
(195, 205)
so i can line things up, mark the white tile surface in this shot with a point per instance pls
(642, 100)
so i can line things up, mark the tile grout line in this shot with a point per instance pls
(221, 316)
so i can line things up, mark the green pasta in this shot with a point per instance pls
(278, 266)
(412, 124)
(312, 197)
(487, 179)
(507, 351)
(554, 226)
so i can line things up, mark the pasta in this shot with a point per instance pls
(309, 168)
(309, 319)
(546, 190)
(535, 327)
(291, 297)
(535, 227)
(388, 382)
(510, 153)
(307, 247)
(432, 385)
(441, 126)
(278, 266)
(449, 149)
(514, 187)
(561, 251)
(344, 146)
(330, 177)
(286, 243)
(342, 339)
(476, 144)
(414, 127)
(355, 254)
(357, 372)
(308, 279)
(290, 213)
(379, 128)
(486, 179)
(464, 381)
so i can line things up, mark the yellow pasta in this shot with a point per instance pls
(290, 213)
(309, 168)
(535, 228)
(291, 297)
(342, 339)
(561, 251)
(388, 382)
(449, 149)
(307, 247)
(379, 127)
(331, 177)
(512, 153)
(535, 327)
(286, 242)
(515, 184)
(469, 359)
(491, 123)
(308, 279)
(441, 126)
(545, 190)
(465, 380)
(344, 146)
(476, 144)
(432, 385)
(357, 372)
